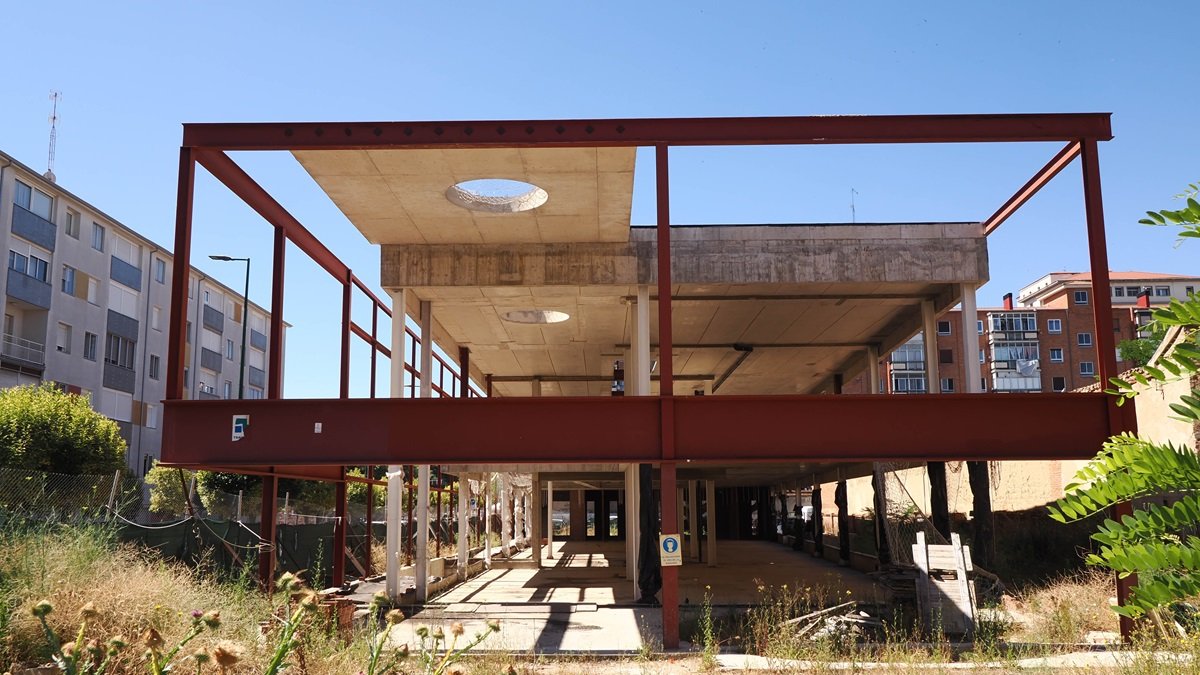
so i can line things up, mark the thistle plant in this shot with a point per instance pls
(78, 657)
(435, 653)
(306, 604)
(382, 661)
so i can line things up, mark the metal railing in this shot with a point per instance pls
(25, 350)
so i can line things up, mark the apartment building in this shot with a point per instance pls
(86, 306)
(1045, 341)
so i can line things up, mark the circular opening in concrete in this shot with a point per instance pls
(497, 195)
(536, 316)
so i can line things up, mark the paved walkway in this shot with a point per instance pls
(580, 602)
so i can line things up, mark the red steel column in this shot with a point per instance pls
(374, 344)
(464, 368)
(266, 555)
(179, 276)
(347, 290)
(369, 570)
(667, 483)
(1106, 355)
(275, 349)
(339, 532)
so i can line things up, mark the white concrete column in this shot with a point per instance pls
(518, 517)
(641, 343)
(487, 520)
(464, 535)
(395, 472)
(872, 374)
(535, 520)
(933, 383)
(506, 514)
(549, 520)
(421, 564)
(710, 520)
(630, 522)
(679, 510)
(693, 520)
(970, 337)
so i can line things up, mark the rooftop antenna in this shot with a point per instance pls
(55, 97)
(853, 216)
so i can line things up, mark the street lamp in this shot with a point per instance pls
(245, 319)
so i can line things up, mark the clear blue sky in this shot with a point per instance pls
(131, 73)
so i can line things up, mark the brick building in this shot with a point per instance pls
(1043, 342)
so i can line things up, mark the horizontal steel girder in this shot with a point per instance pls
(627, 429)
(833, 129)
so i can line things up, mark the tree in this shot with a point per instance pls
(1152, 542)
(45, 429)
(167, 493)
(1139, 351)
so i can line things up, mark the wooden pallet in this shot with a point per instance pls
(945, 590)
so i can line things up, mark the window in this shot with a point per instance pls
(1087, 368)
(254, 393)
(1081, 297)
(123, 300)
(908, 383)
(979, 326)
(207, 297)
(1162, 291)
(983, 384)
(227, 390)
(1116, 325)
(68, 280)
(982, 356)
(155, 363)
(229, 349)
(64, 338)
(1009, 322)
(948, 385)
(89, 346)
(1026, 350)
(160, 270)
(943, 328)
(72, 224)
(1118, 291)
(1189, 290)
(945, 356)
(93, 291)
(1056, 355)
(189, 332)
(151, 415)
(1054, 325)
(33, 200)
(1084, 339)
(127, 251)
(1119, 356)
(156, 318)
(119, 351)
(186, 374)
(30, 265)
(98, 237)
(1059, 384)
(1132, 291)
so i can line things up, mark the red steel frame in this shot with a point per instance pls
(665, 430)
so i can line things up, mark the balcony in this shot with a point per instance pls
(32, 227)
(210, 360)
(23, 352)
(29, 289)
(258, 378)
(125, 274)
(258, 340)
(214, 320)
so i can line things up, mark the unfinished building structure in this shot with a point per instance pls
(541, 293)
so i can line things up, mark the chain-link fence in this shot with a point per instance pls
(37, 495)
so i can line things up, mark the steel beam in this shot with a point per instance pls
(256, 197)
(180, 273)
(825, 130)
(627, 429)
(275, 346)
(1031, 188)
